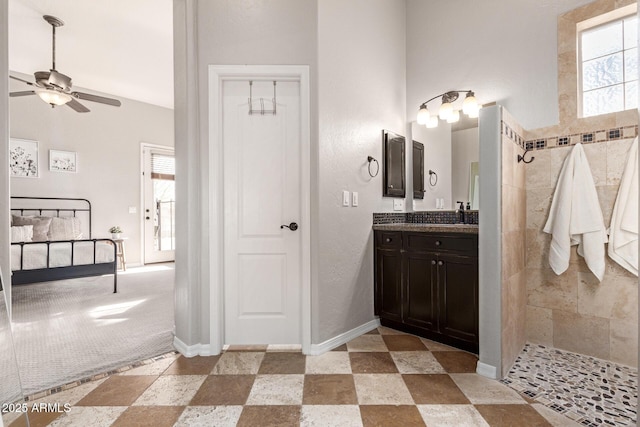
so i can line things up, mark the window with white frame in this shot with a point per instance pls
(609, 66)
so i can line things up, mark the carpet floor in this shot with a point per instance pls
(69, 330)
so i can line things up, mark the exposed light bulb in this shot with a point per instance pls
(454, 116)
(445, 110)
(432, 122)
(423, 115)
(53, 97)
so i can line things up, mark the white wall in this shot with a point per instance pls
(437, 157)
(506, 51)
(107, 141)
(221, 32)
(356, 54)
(464, 150)
(361, 86)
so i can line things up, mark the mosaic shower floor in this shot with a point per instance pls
(590, 391)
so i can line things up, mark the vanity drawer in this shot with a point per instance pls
(463, 244)
(389, 239)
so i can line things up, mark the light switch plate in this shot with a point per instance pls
(398, 204)
(354, 199)
(133, 209)
(345, 198)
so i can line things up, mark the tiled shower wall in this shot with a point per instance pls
(514, 295)
(573, 311)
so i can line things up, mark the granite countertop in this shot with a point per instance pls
(438, 228)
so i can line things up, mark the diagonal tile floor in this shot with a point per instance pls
(383, 378)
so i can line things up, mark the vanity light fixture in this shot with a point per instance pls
(446, 112)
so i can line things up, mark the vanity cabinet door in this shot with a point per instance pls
(421, 278)
(388, 284)
(458, 297)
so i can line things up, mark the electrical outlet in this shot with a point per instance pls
(345, 198)
(398, 204)
(354, 199)
(133, 209)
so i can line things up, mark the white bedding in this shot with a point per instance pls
(35, 254)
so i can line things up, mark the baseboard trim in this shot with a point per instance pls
(488, 371)
(192, 350)
(338, 340)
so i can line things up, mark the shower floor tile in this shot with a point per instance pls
(590, 391)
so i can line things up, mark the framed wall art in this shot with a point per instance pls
(63, 161)
(23, 158)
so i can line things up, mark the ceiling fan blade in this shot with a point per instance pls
(77, 106)
(22, 80)
(96, 98)
(23, 93)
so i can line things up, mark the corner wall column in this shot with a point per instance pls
(490, 247)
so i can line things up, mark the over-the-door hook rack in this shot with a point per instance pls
(262, 111)
(521, 157)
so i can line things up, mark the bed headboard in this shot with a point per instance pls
(54, 206)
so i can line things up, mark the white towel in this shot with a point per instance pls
(623, 235)
(575, 217)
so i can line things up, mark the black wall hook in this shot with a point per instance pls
(521, 157)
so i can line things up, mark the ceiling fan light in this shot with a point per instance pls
(53, 97)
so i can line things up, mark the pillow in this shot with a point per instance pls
(40, 226)
(65, 228)
(22, 233)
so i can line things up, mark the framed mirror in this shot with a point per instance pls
(393, 171)
(452, 152)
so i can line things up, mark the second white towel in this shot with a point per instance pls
(623, 235)
(575, 217)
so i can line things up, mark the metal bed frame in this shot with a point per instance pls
(24, 277)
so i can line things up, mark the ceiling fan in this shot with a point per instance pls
(54, 88)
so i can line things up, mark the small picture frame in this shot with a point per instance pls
(63, 161)
(23, 158)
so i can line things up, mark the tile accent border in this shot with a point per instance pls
(424, 217)
(511, 134)
(587, 137)
(96, 377)
(389, 217)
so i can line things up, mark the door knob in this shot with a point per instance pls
(147, 218)
(433, 262)
(293, 226)
(440, 263)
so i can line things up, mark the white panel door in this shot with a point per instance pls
(262, 267)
